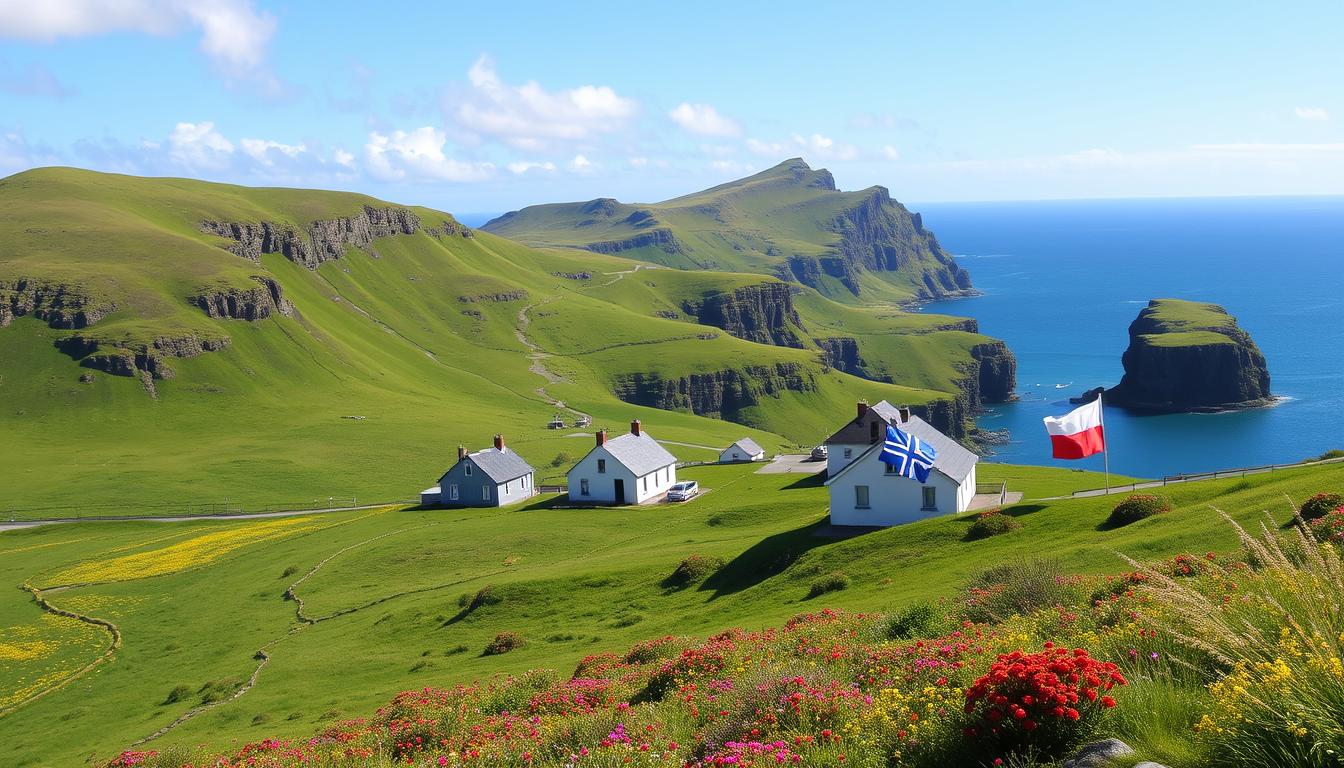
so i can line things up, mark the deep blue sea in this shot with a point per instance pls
(1063, 280)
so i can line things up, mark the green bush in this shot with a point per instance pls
(484, 596)
(693, 570)
(920, 619)
(561, 459)
(831, 582)
(991, 523)
(1136, 508)
(1019, 588)
(1320, 505)
(503, 643)
(180, 693)
(290, 571)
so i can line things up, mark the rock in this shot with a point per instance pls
(661, 238)
(325, 239)
(1088, 396)
(60, 305)
(1187, 357)
(128, 358)
(842, 354)
(86, 378)
(718, 394)
(254, 303)
(1098, 754)
(763, 313)
(1149, 764)
(500, 296)
(996, 372)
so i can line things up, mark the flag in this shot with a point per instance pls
(1077, 434)
(910, 456)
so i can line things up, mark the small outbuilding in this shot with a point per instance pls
(745, 449)
(492, 477)
(628, 469)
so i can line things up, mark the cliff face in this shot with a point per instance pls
(325, 239)
(149, 361)
(1190, 357)
(997, 372)
(763, 313)
(253, 303)
(842, 354)
(718, 394)
(60, 305)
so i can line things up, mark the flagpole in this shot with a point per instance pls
(1105, 449)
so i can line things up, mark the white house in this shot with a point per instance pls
(866, 492)
(745, 449)
(627, 469)
(492, 477)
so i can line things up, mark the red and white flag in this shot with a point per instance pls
(1077, 434)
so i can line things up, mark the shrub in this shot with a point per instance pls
(484, 596)
(456, 649)
(1330, 527)
(693, 570)
(831, 582)
(1136, 508)
(1044, 702)
(991, 523)
(290, 571)
(1320, 505)
(503, 643)
(180, 693)
(1018, 588)
(915, 620)
(561, 459)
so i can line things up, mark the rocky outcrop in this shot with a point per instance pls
(125, 358)
(842, 354)
(325, 239)
(763, 313)
(1186, 357)
(60, 305)
(718, 394)
(513, 295)
(661, 238)
(996, 372)
(255, 303)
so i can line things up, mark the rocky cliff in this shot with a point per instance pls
(996, 372)
(842, 354)
(324, 239)
(58, 304)
(763, 313)
(1185, 357)
(718, 394)
(130, 358)
(253, 303)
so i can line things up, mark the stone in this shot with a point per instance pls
(1098, 754)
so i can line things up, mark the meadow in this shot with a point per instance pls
(285, 627)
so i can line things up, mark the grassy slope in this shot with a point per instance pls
(1189, 323)
(385, 338)
(573, 582)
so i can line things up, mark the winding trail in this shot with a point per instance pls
(537, 357)
(113, 631)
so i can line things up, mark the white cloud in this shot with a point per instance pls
(233, 33)
(703, 120)
(1315, 114)
(265, 151)
(766, 148)
(732, 167)
(813, 147)
(638, 162)
(199, 146)
(529, 117)
(521, 167)
(16, 154)
(581, 164)
(418, 155)
(341, 157)
(891, 153)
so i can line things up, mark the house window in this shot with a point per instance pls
(872, 432)
(452, 492)
(467, 468)
(583, 487)
(601, 465)
(861, 497)
(849, 453)
(646, 483)
(891, 468)
(930, 497)
(485, 492)
(506, 488)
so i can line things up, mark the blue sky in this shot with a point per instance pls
(490, 107)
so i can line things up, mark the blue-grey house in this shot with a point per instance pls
(493, 477)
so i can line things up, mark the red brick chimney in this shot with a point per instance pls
(634, 428)
(499, 442)
(905, 413)
(461, 452)
(601, 437)
(863, 408)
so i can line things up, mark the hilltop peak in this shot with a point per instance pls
(795, 170)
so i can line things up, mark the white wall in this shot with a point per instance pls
(733, 453)
(835, 457)
(602, 485)
(892, 499)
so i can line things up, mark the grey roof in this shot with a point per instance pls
(748, 446)
(954, 459)
(500, 466)
(640, 454)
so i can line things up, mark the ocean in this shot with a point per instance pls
(1062, 281)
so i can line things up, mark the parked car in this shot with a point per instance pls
(683, 491)
(819, 453)
(556, 423)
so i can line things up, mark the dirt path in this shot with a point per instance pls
(537, 358)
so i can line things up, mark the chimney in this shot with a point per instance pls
(905, 413)
(461, 452)
(601, 437)
(863, 409)
(634, 428)
(499, 443)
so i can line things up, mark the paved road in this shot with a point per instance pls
(792, 463)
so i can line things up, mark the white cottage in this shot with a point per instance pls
(627, 469)
(745, 449)
(866, 492)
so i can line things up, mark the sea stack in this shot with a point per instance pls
(1190, 357)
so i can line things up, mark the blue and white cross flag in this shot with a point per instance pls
(910, 456)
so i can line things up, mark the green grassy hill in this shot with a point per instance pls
(194, 602)
(168, 342)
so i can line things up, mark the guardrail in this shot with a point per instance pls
(1218, 474)
(989, 489)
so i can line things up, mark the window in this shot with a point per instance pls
(872, 432)
(646, 483)
(452, 492)
(930, 497)
(849, 453)
(583, 487)
(485, 492)
(506, 488)
(861, 497)
(601, 465)
(467, 468)
(891, 468)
